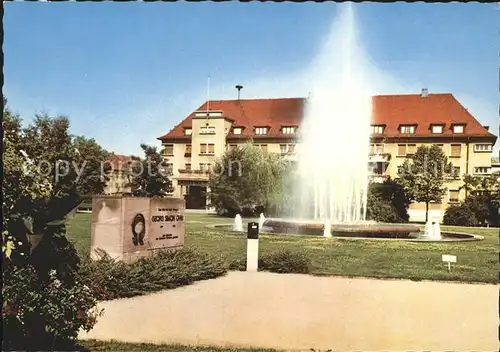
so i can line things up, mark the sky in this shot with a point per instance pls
(126, 73)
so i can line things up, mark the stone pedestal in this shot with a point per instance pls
(128, 228)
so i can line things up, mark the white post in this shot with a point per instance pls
(253, 246)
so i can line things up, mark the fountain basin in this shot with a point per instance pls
(356, 231)
(360, 229)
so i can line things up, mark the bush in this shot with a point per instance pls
(284, 261)
(459, 215)
(381, 210)
(44, 306)
(166, 270)
(387, 202)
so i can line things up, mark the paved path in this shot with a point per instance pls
(299, 312)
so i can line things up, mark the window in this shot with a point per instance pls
(261, 130)
(377, 129)
(237, 130)
(401, 149)
(455, 172)
(411, 149)
(453, 196)
(441, 146)
(263, 147)
(406, 149)
(188, 166)
(376, 148)
(288, 130)
(437, 128)
(231, 147)
(169, 149)
(458, 128)
(482, 147)
(205, 167)
(377, 168)
(207, 130)
(287, 148)
(481, 170)
(188, 150)
(456, 150)
(207, 148)
(409, 129)
(188, 131)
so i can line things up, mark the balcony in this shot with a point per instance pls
(193, 175)
(379, 157)
(378, 178)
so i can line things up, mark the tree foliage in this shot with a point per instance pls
(387, 202)
(44, 177)
(423, 175)
(248, 180)
(149, 176)
(481, 206)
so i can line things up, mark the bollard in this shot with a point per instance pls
(253, 246)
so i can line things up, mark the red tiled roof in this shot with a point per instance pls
(389, 110)
(119, 162)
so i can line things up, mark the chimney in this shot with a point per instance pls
(239, 87)
(487, 128)
(425, 93)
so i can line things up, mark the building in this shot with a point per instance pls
(118, 175)
(400, 123)
(495, 165)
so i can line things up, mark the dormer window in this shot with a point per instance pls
(377, 129)
(458, 129)
(407, 129)
(260, 130)
(207, 130)
(188, 131)
(288, 130)
(437, 129)
(237, 130)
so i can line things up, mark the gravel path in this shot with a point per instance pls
(299, 312)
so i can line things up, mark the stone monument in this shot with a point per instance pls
(128, 228)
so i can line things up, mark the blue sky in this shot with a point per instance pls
(125, 73)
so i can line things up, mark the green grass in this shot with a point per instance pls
(93, 345)
(476, 261)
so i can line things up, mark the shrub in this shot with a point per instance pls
(166, 270)
(45, 307)
(381, 210)
(387, 202)
(459, 215)
(284, 261)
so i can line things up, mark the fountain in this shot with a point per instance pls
(333, 154)
(238, 223)
(432, 231)
(262, 219)
(327, 231)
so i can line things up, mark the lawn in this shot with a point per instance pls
(95, 346)
(476, 261)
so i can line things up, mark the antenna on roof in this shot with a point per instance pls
(239, 87)
(208, 95)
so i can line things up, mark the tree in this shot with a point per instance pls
(422, 176)
(149, 176)
(248, 180)
(42, 183)
(483, 198)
